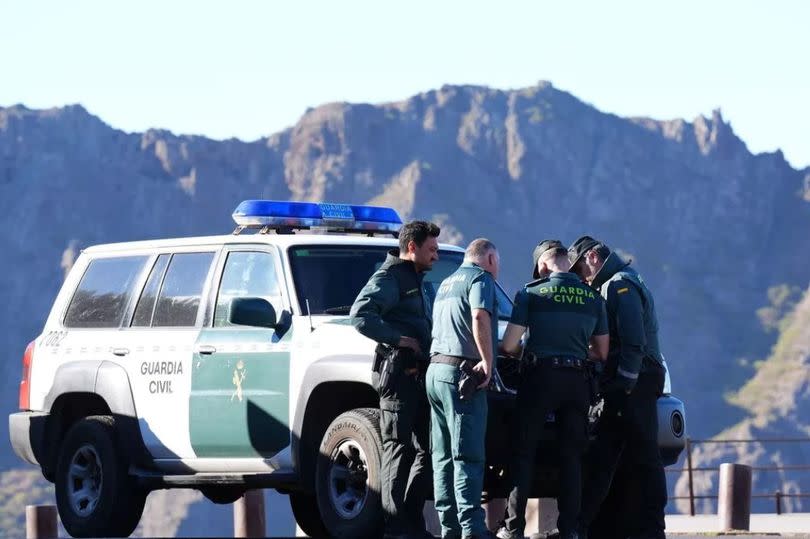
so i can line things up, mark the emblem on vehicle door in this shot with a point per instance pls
(238, 377)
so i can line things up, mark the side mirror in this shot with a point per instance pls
(255, 312)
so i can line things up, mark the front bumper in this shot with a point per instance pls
(27, 433)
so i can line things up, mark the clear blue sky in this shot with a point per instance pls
(249, 69)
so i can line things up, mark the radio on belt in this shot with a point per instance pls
(285, 217)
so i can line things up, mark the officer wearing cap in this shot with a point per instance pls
(564, 316)
(465, 341)
(633, 381)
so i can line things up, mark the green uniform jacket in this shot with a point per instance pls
(632, 320)
(562, 314)
(394, 302)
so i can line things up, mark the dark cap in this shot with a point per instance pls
(580, 247)
(541, 248)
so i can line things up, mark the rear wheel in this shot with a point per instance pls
(347, 478)
(95, 494)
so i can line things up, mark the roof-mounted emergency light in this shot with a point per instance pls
(284, 217)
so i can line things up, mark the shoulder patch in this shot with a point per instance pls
(622, 290)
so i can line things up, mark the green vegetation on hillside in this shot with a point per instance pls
(769, 393)
(19, 488)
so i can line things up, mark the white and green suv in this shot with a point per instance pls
(227, 363)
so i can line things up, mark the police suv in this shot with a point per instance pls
(228, 363)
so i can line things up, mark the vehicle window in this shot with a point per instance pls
(146, 304)
(247, 274)
(101, 297)
(179, 297)
(504, 304)
(331, 276)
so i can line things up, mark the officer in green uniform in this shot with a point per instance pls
(465, 337)
(633, 381)
(394, 309)
(563, 316)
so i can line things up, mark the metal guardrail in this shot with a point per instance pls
(777, 496)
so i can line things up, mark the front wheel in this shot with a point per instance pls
(95, 495)
(347, 477)
(307, 515)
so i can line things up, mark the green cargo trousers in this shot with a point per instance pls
(458, 430)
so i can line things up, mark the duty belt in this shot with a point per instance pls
(556, 362)
(448, 360)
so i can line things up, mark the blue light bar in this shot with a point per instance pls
(347, 217)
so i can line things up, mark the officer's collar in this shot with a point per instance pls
(393, 259)
(613, 264)
(564, 275)
(467, 264)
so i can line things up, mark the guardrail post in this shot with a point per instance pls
(778, 502)
(248, 515)
(40, 522)
(689, 468)
(734, 497)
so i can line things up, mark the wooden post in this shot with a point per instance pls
(734, 497)
(248, 515)
(40, 522)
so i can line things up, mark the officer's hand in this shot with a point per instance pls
(483, 368)
(410, 342)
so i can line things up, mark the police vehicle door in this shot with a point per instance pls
(240, 380)
(156, 345)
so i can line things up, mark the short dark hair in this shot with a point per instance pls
(417, 232)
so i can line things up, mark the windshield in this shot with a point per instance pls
(331, 276)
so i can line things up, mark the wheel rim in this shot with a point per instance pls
(348, 479)
(84, 480)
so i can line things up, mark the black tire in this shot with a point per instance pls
(307, 515)
(223, 495)
(113, 503)
(353, 442)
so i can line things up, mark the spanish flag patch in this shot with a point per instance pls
(622, 290)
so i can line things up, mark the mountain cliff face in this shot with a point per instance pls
(777, 400)
(711, 226)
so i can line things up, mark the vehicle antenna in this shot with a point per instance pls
(309, 314)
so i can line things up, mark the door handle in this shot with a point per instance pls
(120, 352)
(206, 349)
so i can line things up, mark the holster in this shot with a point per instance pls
(593, 382)
(389, 365)
(469, 380)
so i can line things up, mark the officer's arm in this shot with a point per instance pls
(630, 330)
(482, 333)
(379, 295)
(511, 339)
